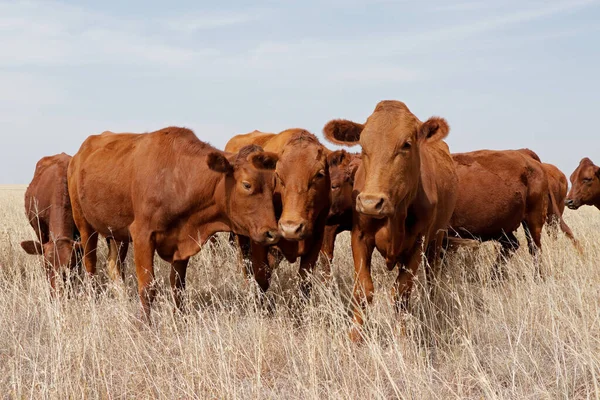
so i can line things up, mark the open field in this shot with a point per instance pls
(519, 339)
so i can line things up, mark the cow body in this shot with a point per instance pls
(585, 186)
(301, 201)
(168, 192)
(405, 192)
(499, 191)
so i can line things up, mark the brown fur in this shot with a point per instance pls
(405, 192)
(48, 209)
(500, 190)
(585, 186)
(301, 200)
(255, 137)
(168, 192)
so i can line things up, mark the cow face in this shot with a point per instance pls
(585, 186)
(303, 184)
(390, 141)
(342, 168)
(249, 191)
(57, 253)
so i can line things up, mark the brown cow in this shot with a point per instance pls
(342, 169)
(48, 209)
(585, 186)
(406, 191)
(558, 187)
(168, 192)
(499, 191)
(301, 200)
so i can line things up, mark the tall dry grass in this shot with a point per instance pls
(520, 339)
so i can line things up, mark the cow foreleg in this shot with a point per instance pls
(404, 282)
(177, 279)
(327, 249)
(362, 251)
(143, 254)
(260, 266)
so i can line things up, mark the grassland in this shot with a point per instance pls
(515, 340)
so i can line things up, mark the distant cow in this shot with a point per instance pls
(585, 186)
(558, 187)
(406, 191)
(48, 209)
(342, 169)
(301, 200)
(168, 192)
(499, 191)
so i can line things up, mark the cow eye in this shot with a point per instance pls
(406, 146)
(320, 174)
(335, 186)
(587, 180)
(246, 185)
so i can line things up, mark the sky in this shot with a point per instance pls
(505, 74)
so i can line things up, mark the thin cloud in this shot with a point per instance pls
(191, 24)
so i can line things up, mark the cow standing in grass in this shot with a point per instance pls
(406, 191)
(302, 201)
(168, 192)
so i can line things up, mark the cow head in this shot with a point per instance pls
(342, 168)
(61, 252)
(249, 191)
(303, 184)
(390, 141)
(585, 186)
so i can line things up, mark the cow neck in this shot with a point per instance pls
(61, 224)
(217, 218)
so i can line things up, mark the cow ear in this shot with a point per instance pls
(336, 158)
(264, 160)
(435, 128)
(32, 247)
(219, 163)
(598, 172)
(343, 132)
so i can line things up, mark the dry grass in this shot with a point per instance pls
(520, 339)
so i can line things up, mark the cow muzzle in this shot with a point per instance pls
(293, 230)
(572, 204)
(268, 237)
(375, 205)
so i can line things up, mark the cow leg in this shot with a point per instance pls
(404, 282)
(260, 266)
(242, 243)
(533, 233)
(327, 249)
(362, 251)
(123, 249)
(113, 254)
(177, 278)
(51, 273)
(433, 269)
(509, 245)
(143, 254)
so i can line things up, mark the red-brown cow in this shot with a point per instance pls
(301, 200)
(406, 191)
(48, 209)
(585, 186)
(342, 168)
(168, 192)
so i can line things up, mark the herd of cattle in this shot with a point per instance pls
(288, 195)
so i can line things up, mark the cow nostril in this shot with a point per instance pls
(269, 235)
(299, 228)
(379, 204)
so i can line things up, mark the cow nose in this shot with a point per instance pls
(371, 204)
(271, 236)
(568, 202)
(292, 230)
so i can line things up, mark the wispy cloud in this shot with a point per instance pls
(194, 23)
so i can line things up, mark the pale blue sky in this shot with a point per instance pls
(505, 74)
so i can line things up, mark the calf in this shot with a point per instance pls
(405, 192)
(168, 192)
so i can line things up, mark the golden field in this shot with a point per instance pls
(520, 339)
